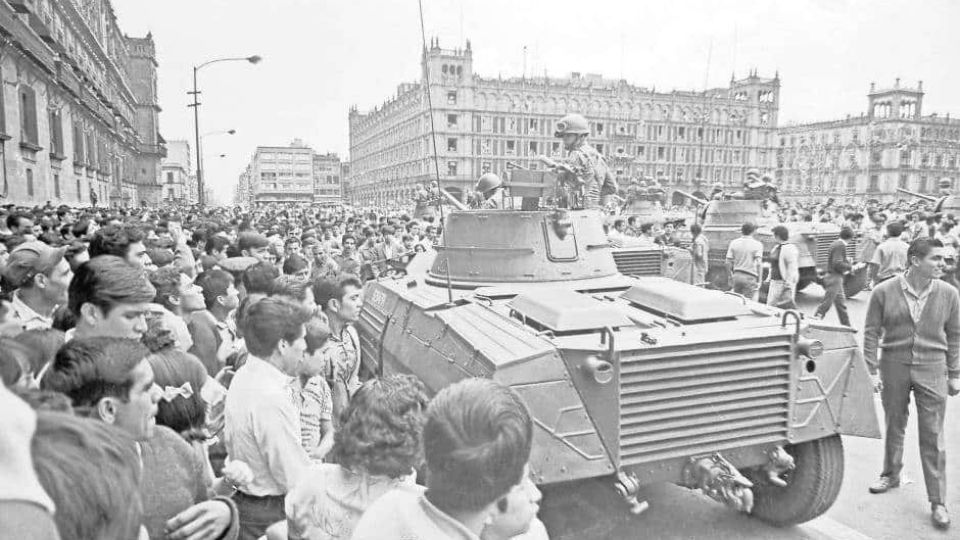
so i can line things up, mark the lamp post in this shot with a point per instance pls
(196, 114)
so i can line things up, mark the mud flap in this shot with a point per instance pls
(858, 413)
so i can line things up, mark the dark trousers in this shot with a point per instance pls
(833, 296)
(928, 382)
(258, 513)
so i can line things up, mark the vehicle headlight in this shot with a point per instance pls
(812, 348)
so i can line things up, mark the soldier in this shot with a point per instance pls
(717, 193)
(946, 186)
(490, 191)
(584, 175)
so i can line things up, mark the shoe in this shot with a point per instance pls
(939, 516)
(884, 484)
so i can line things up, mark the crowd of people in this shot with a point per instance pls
(193, 374)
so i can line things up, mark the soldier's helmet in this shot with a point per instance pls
(572, 123)
(945, 183)
(487, 182)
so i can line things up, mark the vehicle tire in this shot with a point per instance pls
(812, 487)
(718, 277)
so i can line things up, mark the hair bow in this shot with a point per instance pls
(170, 393)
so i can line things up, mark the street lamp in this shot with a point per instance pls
(255, 59)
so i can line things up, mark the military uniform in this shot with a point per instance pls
(586, 171)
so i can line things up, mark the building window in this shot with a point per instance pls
(555, 148)
(56, 134)
(904, 157)
(28, 115)
(452, 121)
(682, 133)
(599, 128)
(452, 144)
(640, 151)
(452, 98)
(511, 147)
(661, 152)
(851, 182)
(875, 157)
(451, 168)
(534, 124)
(600, 148)
(924, 159)
(874, 183)
(79, 193)
(533, 147)
(903, 181)
(56, 186)
(169, 177)
(30, 182)
(922, 186)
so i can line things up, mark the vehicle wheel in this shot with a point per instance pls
(855, 282)
(718, 277)
(812, 487)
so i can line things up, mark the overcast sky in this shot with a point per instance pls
(321, 57)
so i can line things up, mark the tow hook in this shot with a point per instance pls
(720, 480)
(627, 486)
(779, 463)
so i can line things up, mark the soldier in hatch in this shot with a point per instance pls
(490, 192)
(584, 175)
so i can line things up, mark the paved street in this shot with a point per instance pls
(900, 514)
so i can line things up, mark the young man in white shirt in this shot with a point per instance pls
(262, 421)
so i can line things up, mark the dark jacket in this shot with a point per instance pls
(837, 261)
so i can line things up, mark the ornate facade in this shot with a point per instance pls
(891, 145)
(686, 139)
(79, 120)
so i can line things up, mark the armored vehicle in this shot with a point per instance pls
(647, 208)
(949, 204)
(722, 220)
(630, 381)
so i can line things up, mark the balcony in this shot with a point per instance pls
(153, 149)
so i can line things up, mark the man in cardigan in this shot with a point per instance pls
(918, 318)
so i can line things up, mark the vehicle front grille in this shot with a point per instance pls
(688, 400)
(645, 262)
(823, 248)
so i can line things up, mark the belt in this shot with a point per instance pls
(745, 272)
(257, 498)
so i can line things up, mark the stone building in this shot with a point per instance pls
(78, 106)
(892, 145)
(292, 173)
(177, 174)
(687, 139)
(327, 180)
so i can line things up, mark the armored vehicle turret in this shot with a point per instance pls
(630, 381)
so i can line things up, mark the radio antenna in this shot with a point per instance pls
(433, 130)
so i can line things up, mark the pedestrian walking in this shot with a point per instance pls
(744, 256)
(915, 320)
(838, 266)
(784, 271)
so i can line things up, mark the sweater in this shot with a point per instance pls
(173, 480)
(935, 339)
(837, 262)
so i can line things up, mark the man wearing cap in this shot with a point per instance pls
(40, 276)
